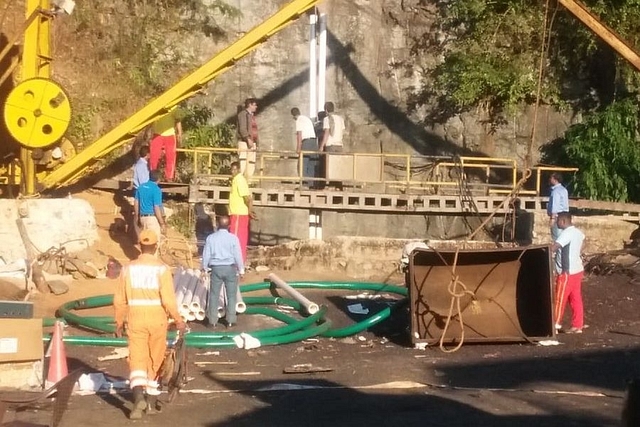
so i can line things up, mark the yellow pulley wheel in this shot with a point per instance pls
(37, 112)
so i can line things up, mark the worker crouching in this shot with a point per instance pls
(144, 298)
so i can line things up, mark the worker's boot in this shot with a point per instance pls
(153, 405)
(139, 403)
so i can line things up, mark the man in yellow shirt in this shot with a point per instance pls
(240, 208)
(167, 134)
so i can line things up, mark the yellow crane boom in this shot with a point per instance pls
(580, 11)
(185, 88)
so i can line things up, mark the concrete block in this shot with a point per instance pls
(21, 375)
(49, 223)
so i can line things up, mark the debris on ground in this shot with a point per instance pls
(305, 368)
(623, 262)
(117, 353)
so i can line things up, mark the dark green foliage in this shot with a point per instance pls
(605, 148)
(201, 132)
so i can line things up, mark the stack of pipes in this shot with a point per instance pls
(192, 295)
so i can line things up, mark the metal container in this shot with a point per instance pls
(505, 294)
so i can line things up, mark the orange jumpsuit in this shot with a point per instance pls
(145, 297)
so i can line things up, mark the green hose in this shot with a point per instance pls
(293, 330)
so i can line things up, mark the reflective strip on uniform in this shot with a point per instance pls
(152, 388)
(145, 276)
(137, 378)
(144, 302)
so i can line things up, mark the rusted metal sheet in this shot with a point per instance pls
(505, 294)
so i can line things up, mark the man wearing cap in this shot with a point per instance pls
(143, 299)
(147, 206)
(222, 256)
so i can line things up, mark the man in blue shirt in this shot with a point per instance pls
(558, 202)
(147, 206)
(141, 168)
(222, 256)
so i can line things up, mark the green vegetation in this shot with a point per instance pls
(607, 150)
(201, 132)
(490, 53)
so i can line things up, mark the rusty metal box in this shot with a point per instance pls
(504, 294)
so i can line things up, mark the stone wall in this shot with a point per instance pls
(371, 76)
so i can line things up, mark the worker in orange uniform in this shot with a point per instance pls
(167, 135)
(240, 208)
(143, 299)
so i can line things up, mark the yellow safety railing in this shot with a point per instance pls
(407, 172)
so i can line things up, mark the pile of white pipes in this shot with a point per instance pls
(192, 295)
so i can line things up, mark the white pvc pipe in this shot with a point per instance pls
(322, 61)
(241, 307)
(313, 85)
(311, 307)
(177, 276)
(199, 300)
(200, 315)
(183, 281)
(191, 287)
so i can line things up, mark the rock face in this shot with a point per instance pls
(48, 223)
(371, 77)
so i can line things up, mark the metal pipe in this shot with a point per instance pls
(322, 61)
(313, 85)
(311, 307)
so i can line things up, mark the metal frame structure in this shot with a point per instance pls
(490, 175)
(36, 62)
(185, 88)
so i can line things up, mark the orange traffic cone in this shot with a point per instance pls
(58, 361)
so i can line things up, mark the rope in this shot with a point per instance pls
(456, 288)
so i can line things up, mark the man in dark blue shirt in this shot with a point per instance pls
(147, 206)
(223, 257)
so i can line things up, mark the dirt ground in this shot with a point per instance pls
(377, 377)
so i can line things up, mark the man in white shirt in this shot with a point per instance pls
(333, 126)
(333, 132)
(306, 141)
(569, 279)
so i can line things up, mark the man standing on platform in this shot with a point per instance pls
(143, 299)
(248, 137)
(240, 208)
(167, 135)
(223, 257)
(306, 141)
(147, 206)
(333, 133)
(558, 202)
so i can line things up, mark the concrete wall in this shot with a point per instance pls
(603, 233)
(282, 225)
(49, 223)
